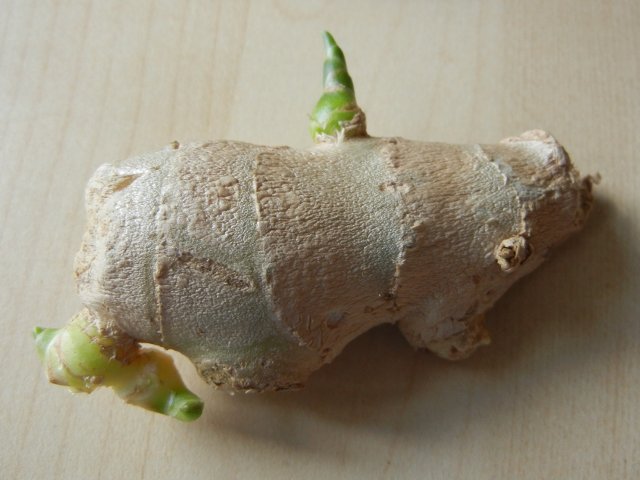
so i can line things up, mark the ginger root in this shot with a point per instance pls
(262, 263)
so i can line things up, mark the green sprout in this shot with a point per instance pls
(336, 115)
(83, 357)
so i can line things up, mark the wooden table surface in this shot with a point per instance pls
(557, 394)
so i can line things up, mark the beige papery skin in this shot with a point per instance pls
(262, 263)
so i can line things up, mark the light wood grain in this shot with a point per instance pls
(556, 395)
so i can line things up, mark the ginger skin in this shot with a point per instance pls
(262, 263)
